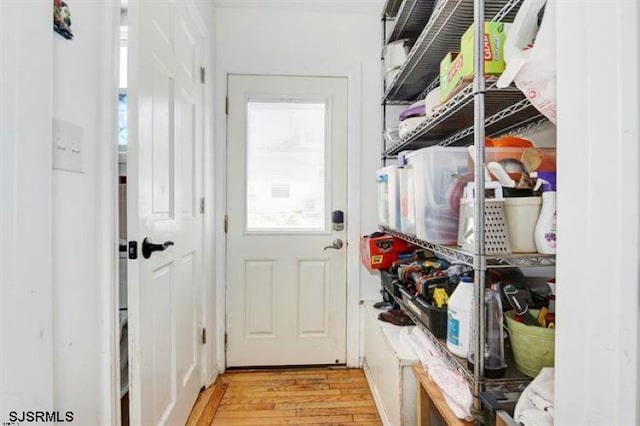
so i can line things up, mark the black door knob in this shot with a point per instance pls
(149, 247)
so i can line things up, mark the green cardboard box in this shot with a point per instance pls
(450, 75)
(456, 70)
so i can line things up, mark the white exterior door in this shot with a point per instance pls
(286, 174)
(164, 189)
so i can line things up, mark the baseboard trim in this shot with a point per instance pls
(207, 404)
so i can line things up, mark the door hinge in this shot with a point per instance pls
(226, 105)
(226, 342)
(202, 205)
(202, 74)
(203, 336)
(226, 224)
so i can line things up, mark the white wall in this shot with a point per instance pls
(598, 277)
(83, 249)
(314, 39)
(26, 367)
(207, 13)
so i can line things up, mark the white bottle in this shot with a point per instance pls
(545, 233)
(459, 318)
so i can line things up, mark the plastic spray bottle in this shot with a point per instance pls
(545, 232)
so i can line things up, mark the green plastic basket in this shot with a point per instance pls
(533, 347)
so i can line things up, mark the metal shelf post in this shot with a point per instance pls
(384, 101)
(480, 261)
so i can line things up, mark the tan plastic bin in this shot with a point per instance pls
(522, 215)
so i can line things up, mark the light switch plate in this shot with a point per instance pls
(67, 146)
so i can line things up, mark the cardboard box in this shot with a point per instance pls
(379, 252)
(450, 75)
(456, 69)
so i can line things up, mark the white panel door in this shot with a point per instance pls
(286, 174)
(164, 188)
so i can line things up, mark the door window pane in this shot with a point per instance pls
(122, 118)
(286, 185)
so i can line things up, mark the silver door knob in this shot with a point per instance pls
(337, 245)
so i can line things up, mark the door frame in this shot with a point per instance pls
(109, 221)
(354, 79)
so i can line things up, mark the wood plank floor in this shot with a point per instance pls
(301, 396)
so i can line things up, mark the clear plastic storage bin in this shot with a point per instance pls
(407, 201)
(388, 197)
(440, 175)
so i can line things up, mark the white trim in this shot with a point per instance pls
(354, 142)
(362, 7)
(209, 369)
(107, 210)
(208, 187)
(220, 196)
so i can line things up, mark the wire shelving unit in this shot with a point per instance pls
(478, 109)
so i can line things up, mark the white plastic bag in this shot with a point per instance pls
(453, 386)
(530, 53)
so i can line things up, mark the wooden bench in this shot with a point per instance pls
(430, 399)
(504, 419)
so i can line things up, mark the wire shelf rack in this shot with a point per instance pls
(505, 108)
(522, 113)
(513, 379)
(457, 255)
(531, 125)
(449, 21)
(411, 19)
(390, 9)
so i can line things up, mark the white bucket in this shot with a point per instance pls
(522, 216)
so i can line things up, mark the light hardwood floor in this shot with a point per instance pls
(301, 396)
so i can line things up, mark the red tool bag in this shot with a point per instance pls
(379, 250)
